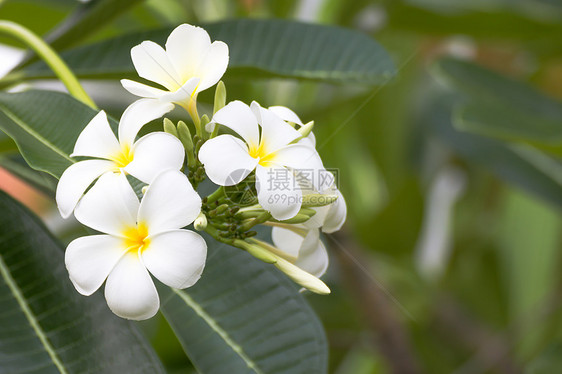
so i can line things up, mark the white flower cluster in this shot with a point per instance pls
(272, 156)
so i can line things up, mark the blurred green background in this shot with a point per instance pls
(449, 261)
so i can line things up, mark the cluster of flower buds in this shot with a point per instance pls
(140, 194)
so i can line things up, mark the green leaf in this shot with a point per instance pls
(45, 126)
(244, 316)
(268, 47)
(520, 165)
(45, 325)
(501, 107)
(510, 124)
(87, 19)
(487, 86)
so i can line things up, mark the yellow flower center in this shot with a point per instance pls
(136, 237)
(261, 153)
(124, 157)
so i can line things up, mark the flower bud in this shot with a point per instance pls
(200, 222)
(170, 128)
(220, 97)
(301, 277)
(317, 200)
(261, 253)
(305, 130)
(184, 136)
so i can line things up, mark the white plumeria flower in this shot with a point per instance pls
(189, 64)
(270, 152)
(143, 159)
(137, 238)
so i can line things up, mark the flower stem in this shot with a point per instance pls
(45, 52)
(219, 192)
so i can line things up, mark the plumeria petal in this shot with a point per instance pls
(285, 114)
(170, 202)
(184, 94)
(152, 63)
(142, 90)
(238, 117)
(276, 133)
(130, 291)
(97, 139)
(335, 218)
(154, 153)
(313, 257)
(90, 259)
(176, 258)
(226, 160)
(110, 206)
(305, 161)
(309, 250)
(213, 65)
(282, 200)
(139, 114)
(75, 180)
(186, 47)
(309, 141)
(287, 240)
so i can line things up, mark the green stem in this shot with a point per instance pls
(44, 51)
(219, 192)
(256, 221)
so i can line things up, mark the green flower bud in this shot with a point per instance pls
(170, 128)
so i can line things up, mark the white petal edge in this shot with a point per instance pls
(75, 180)
(152, 63)
(276, 133)
(184, 94)
(313, 257)
(336, 216)
(142, 90)
(213, 66)
(97, 139)
(155, 153)
(90, 259)
(130, 291)
(110, 206)
(287, 240)
(139, 114)
(170, 202)
(226, 160)
(176, 258)
(285, 114)
(186, 47)
(238, 117)
(281, 203)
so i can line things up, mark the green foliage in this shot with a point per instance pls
(266, 47)
(502, 107)
(45, 325)
(44, 136)
(248, 317)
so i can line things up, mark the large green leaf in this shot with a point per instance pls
(487, 86)
(45, 325)
(268, 47)
(45, 126)
(244, 316)
(87, 19)
(501, 107)
(520, 165)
